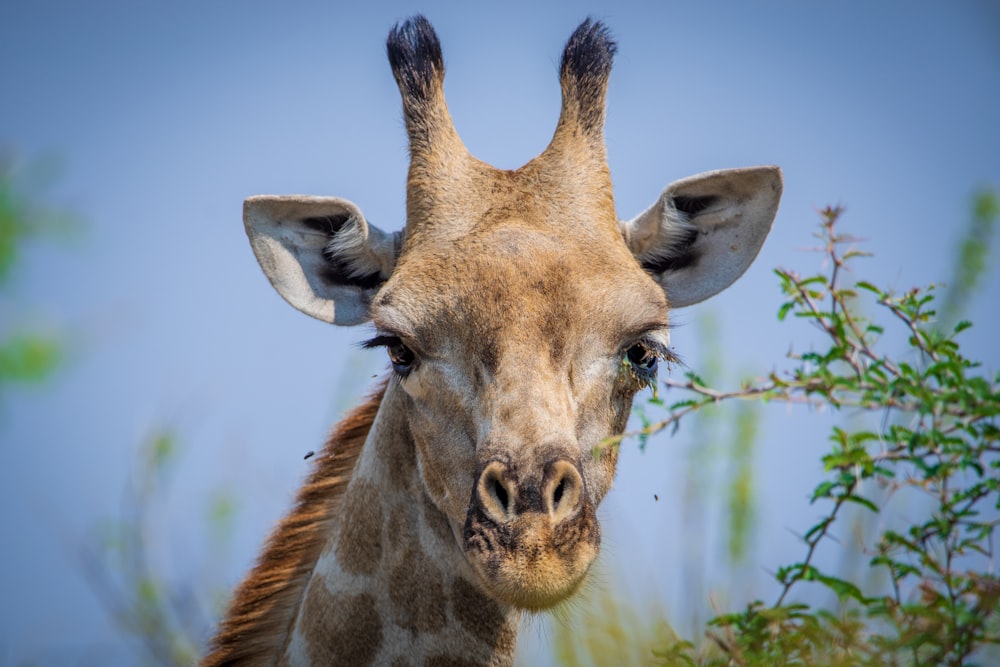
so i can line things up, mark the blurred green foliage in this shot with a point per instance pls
(601, 628)
(971, 260)
(28, 354)
(168, 619)
(27, 357)
(741, 500)
(164, 616)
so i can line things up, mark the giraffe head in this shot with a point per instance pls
(519, 314)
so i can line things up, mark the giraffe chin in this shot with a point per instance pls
(530, 564)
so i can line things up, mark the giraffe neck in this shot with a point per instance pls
(392, 586)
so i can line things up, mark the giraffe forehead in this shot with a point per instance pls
(517, 284)
(471, 196)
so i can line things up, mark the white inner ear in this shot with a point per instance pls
(320, 254)
(704, 231)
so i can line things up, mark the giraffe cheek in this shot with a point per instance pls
(446, 471)
(599, 470)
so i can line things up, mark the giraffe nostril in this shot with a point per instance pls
(558, 493)
(563, 489)
(501, 494)
(496, 492)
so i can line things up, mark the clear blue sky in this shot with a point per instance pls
(166, 115)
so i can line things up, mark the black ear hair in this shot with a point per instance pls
(680, 256)
(692, 206)
(683, 253)
(337, 270)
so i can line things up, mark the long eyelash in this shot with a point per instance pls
(382, 340)
(662, 351)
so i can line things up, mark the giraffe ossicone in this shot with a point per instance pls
(520, 316)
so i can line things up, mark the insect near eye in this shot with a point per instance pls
(640, 357)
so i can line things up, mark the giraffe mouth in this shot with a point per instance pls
(532, 562)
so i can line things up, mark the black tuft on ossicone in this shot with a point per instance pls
(586, 65)
(589, 52)
(415, 56)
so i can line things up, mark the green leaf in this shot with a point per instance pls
(860, 500)
(843, 589)
(785, 307)
(865, 285)
(823, 491)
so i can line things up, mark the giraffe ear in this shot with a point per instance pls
(705, 230)
(320, 253)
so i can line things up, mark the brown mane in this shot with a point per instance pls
(263, 607)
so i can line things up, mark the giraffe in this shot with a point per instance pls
(520, 316)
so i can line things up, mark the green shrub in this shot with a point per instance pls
(936, 437)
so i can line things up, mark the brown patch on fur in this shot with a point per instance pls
(434, 483)
(481, 616)
(402, 461)
(437, 521)
(416, 589)
(264, 606)
(402, 517)
(359, 545)
(342, 629)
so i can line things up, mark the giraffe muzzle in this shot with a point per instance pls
(531, 535)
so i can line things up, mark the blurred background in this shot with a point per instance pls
(157, 397)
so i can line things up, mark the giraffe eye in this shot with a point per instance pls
(642, 358)
(400, 356)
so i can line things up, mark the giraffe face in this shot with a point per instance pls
(518, 360)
